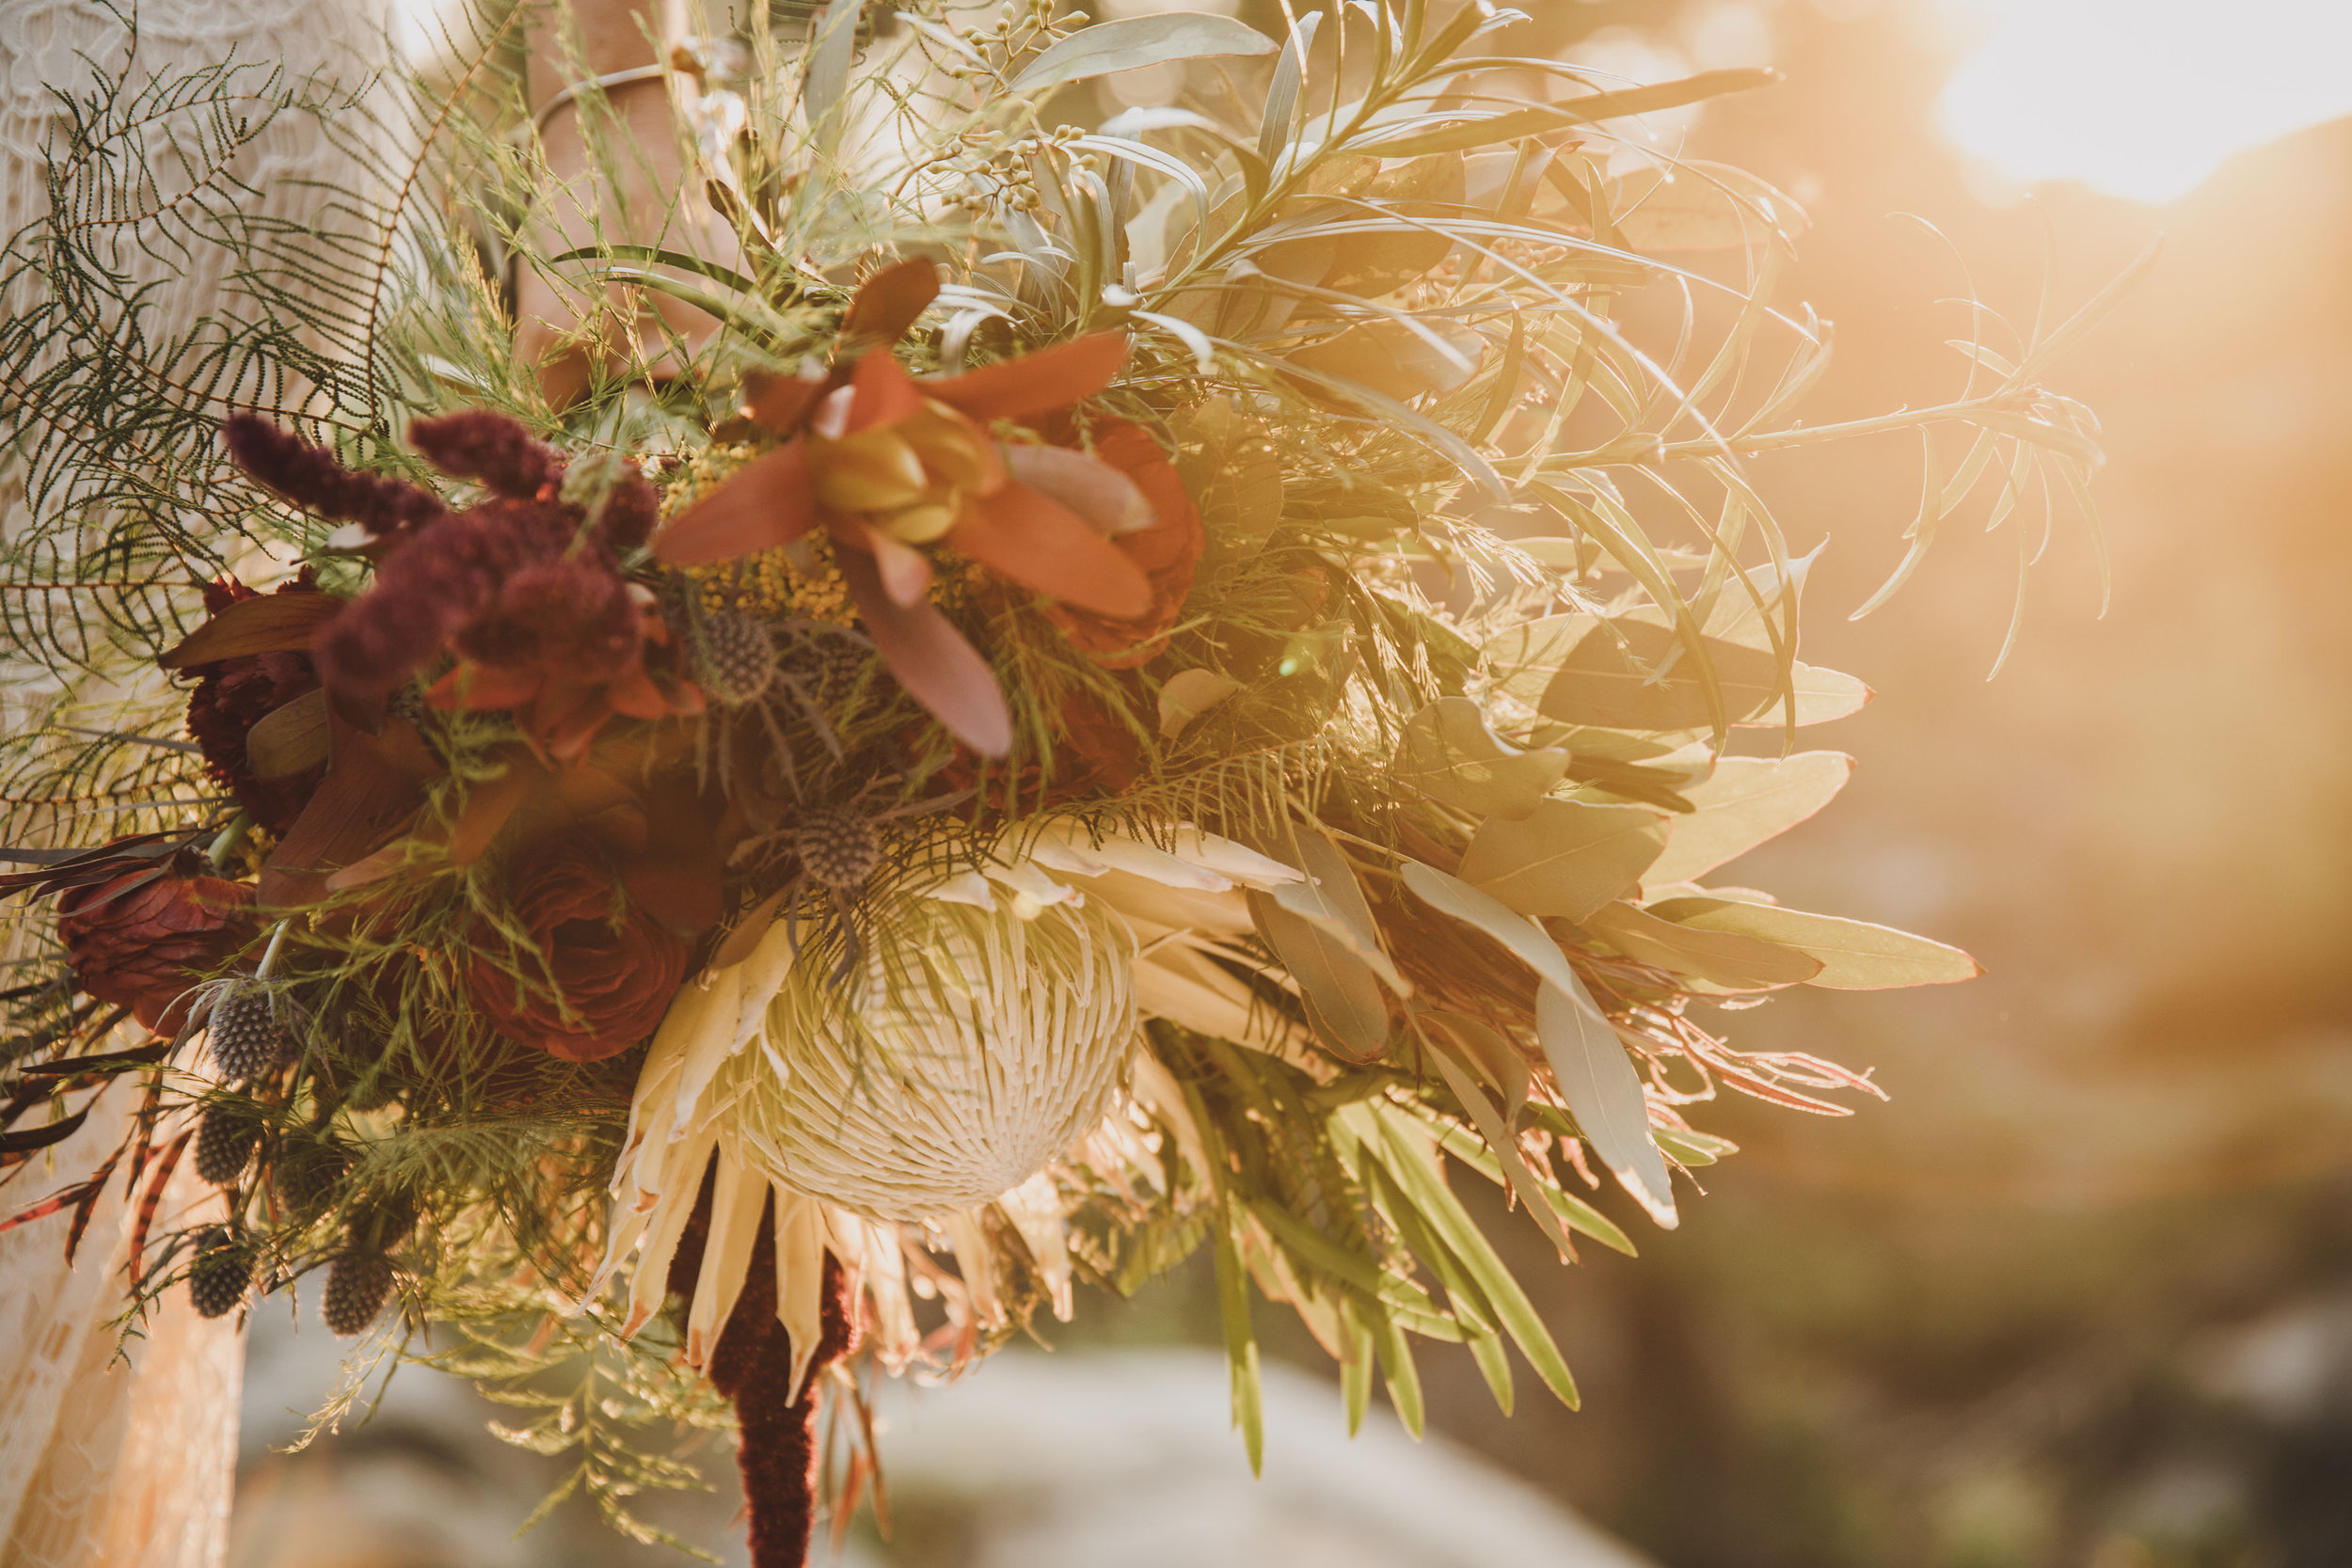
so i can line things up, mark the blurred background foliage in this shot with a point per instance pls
(2081, 1293)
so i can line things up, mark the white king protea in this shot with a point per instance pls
(988, 1031)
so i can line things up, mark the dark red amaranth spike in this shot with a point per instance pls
(421, 597)
(479, 444)
(629, 512)
(753, 1367)
(311, 478)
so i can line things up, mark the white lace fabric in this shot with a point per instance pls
(112, 1457)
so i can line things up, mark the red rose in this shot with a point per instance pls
(616, 966)
(139, 940)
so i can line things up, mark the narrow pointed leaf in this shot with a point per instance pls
(1855, 954)
(1404, 1151)
(1241, 1342)
(1604, 1093)
(1131, 43)
(1729, 959)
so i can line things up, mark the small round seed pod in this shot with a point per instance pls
(221, 1275)
(837, 845)
(828, 666)
(248, 1032)
(224, 1143)
(356, 1284)
(306, 1172)
(738, 661)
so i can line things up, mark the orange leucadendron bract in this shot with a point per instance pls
(886, 463)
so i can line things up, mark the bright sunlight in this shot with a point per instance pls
(2144, 98)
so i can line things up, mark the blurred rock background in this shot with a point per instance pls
(2080, 1295)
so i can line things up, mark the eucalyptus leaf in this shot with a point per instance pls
(1187, 695)
(1608, 679)
(1132, 42)
(1729, 959)
(1747, 802)
(1342, 996)
(1524, 658)
(1603, 1092)
(1693, 1148)
(1402, 359)
(1528, 942)
(1855, 955)
(1449, 753)
(1822, 696)
(825, 80)
(1566, 858)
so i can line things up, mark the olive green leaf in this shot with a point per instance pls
(1603, 1092)
(1449, 753)
(1854, 954)
(1748, 801)
(1132, 42)
(1565, 858)
(1728, 959)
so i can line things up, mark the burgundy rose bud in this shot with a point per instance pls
(615, 965)
(142, 946)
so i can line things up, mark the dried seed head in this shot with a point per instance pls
(739, 657)
(356, 1284)
(829, 667)
(224, 1143)
(306, 1173)
(248, 1032)
(221, 1275)
(837, 845)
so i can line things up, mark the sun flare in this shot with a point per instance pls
(2144, 98)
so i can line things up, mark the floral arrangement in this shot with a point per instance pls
(1163, 688)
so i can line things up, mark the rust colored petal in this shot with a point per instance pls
(881, 392)
(892, 301)
(930, 659)
(1167, 552)
(1036, 383)
(1042, 545)
(267, 623)
(373, 787)
(781, 402)
(480, 688)
(767, 503)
